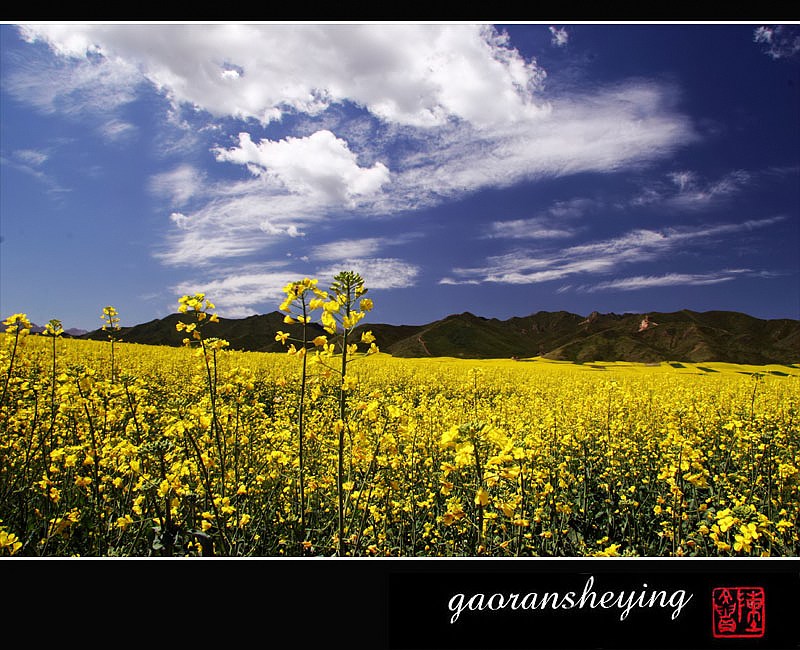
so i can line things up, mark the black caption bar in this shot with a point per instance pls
(630, 603)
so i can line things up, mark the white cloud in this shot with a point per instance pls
(420, 75)
(320, 165)
(412, 75)
(559, 38)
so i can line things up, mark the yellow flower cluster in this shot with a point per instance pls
(17, 324)
(9, 542)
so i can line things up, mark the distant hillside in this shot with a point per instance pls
(71, 332)
(254, 333)
(678, 336)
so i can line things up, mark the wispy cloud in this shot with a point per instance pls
(243, 293)
(667, 280)
(117, 130)
(383, 273)
(238, 219)
(179, 185)
(31, 157)
(558, 221)
(686, 190)
(32, 162)
(779, 41)
(605, 131)
(535, 228)
(525, 266)
(258, 288)
(559, 36)
(71, 86)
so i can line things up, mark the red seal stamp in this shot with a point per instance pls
(738, 612)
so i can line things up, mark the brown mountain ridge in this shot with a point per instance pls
(675, 336)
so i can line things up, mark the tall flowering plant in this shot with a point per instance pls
(111, 325)
(343, 308)
(302, 298)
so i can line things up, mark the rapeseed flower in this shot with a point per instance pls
(10, 542)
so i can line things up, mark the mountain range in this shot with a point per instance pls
(676, 336)
(72, 332)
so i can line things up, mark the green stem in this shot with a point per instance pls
(342, 415)
(215, 425)
(10, 365)
(301, 425)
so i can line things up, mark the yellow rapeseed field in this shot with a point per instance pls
(201, 450)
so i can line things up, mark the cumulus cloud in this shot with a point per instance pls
(320, 165)
(420, 75)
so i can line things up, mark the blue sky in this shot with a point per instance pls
(497, 169)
